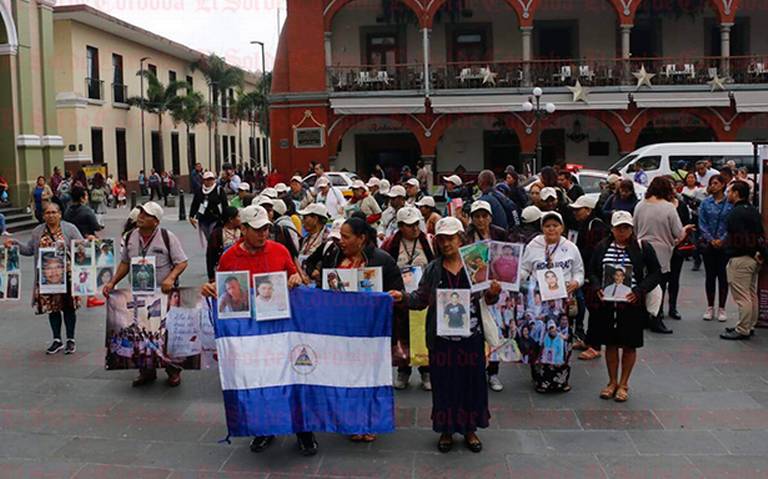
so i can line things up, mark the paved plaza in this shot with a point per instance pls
(698, 408)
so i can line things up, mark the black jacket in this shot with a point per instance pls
(83, 217)
(746, 235)
(217, 202)
(591, 231)
(392, 246)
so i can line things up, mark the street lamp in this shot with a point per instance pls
(266, 99)
(141, 106)
(540, 112)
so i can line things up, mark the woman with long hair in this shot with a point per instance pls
(713, 234)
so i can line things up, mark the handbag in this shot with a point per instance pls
(490, 329)
(653, 301)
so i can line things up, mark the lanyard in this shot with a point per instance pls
(412, 254)
(312, 241)
(144, 247)
(549, 253)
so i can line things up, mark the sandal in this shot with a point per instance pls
(362, 438)
(473, 443)
(590, 354)
(622, 394)
(580, 345)
(609, 392)
(445, 444)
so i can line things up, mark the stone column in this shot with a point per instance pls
(328, 59)
(725, 49)
(626, 51)
(527, 33)
(52, 143)
(425, 47)
(429, 162)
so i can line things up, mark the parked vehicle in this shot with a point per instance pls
(340, 179)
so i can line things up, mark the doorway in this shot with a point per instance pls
(122, 156)
(501, 148)
(391, 150)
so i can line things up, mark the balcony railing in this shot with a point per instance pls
(552, 73)
(119, 93)
(94, 88)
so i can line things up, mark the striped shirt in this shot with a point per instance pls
(618, 256)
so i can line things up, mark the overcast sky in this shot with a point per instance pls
(225, 27)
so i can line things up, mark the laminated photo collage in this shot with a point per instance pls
(93, 265)
(267, 301)
(487, 261)
(10, 274)
(361, 280)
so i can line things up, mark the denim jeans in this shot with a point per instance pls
(2, 223)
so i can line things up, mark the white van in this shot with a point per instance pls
(664, 158)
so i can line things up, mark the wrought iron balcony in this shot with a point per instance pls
(376, 78)
(119, 93)
(94, 88)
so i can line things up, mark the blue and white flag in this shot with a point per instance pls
(327, 368)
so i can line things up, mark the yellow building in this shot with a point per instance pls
(97, 60)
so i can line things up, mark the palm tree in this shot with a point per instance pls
(220, 78)
(245, 109)
(160, 98)
(191, 109)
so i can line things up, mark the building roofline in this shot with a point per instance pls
(100, 20)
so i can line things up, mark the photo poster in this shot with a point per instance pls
(370, 280)
(271, 300)
(535, 320)
(617, 282)
(233, 292)
(476, 259)
(455, 208)
(506, 313)
(453, 309)
(93, 265)
(52, 270)
(551, 282)
(340, 280)
(411, 277)
(143, 275)
(505, 264)
(191, 342)
(10, 274)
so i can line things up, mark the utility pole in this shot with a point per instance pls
(266, 99)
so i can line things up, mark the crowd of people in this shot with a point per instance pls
(262, 226)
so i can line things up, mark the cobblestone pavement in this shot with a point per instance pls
(698, 409)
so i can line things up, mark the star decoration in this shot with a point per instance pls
(643, 77)
(579, 92)
(489, 77)
(717, 83)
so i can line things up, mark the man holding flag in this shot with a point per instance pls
(257, 254)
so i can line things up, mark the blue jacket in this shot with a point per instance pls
(503, 209)
(712, 219)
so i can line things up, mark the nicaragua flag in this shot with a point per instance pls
(324, 369)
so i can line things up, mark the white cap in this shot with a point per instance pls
(373, 181)
(551, 215)
(316, 209)
(396, 191)
(547, 193)
(584, 201)
(358, 185)
(322, 182)
(265, 200)
(244, 186)
(384, 187)
(152, 209)
(336, 228)
(134, 215)
(613, 179)
(279, 207)
(453, 179)
(480, 205)
(255, 216)
(297, 179)
(269, 193)
(413, 182)
(448, 226)
(281, 188)
(531, 214)
(622, 218)
(209, 175)
(426, 201)
(408, 215)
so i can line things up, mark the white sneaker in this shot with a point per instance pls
(401, 381)
(709, 314)
(426, 382)
(721, 315)
(495, 383)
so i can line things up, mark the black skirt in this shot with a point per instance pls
(618, 324)
(459, 388)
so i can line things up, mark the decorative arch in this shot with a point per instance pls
(12, 45)
(525, 9)
(721, 122)
(627, 9)
(604, 117)
(340, 125)
(512, 122)
(332, 7)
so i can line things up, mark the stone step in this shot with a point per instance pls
(23, 225)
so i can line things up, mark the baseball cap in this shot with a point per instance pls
(373, 181)
(358, 185)
(269, 193)
(297, 179)
(453, 179)
(384, 187)
(408, 215)
(531, 214)
(316, 209)
(396, 191)
(209, 175)
(255, 217)
(152, 209)
(551, 215)
(281, 188)
(426, 201)
(622, 218)
(613, 179)
(244, 186)
(448, 226)
(279, 206)
(413, 182)
(547, 193)
(336, 228)
(322, 182)
(480, 205)
(584, 201)
(265, 200)
(134, 215)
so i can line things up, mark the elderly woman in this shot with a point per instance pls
(357, 250)
(550, 251)
(618, 323)
(457, 364)
(481, 227)
(623, 200)
(362, 201)
(53, 233)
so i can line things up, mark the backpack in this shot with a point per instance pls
(97, 195)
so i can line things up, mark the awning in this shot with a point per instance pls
(514, 103)
(681, 99)
(751, 101)
(377, 105)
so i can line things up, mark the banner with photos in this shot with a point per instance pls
(152, 331)
(93, 265)
(10, 274)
